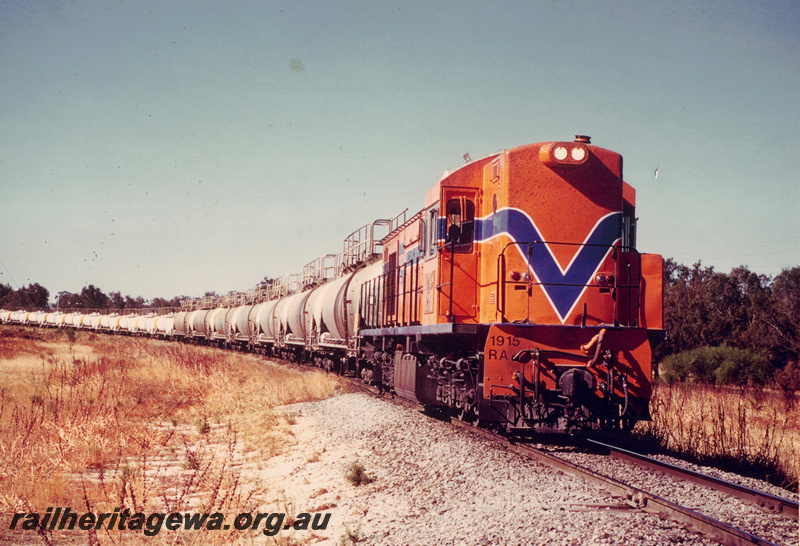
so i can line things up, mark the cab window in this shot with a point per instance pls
(460, 232)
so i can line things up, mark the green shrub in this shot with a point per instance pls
(721, 365)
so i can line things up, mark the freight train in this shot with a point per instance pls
(515, 298)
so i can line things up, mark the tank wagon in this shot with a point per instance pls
(515, 298)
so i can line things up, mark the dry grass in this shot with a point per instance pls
(97, 422)
(754, 431)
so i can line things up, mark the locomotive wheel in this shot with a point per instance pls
(469, 416)
(468, 413)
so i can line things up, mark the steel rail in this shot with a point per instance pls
(637, 498)
(765, 501)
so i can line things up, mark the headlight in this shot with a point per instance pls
(563, 154)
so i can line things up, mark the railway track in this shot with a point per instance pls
(640, 499)
(765, 501)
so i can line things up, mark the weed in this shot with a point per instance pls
(351, 536)
(357, 475)
(315, 456)
(100, 424)
(746, 430)
(203, 427)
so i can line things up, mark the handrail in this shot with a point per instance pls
(630, 285)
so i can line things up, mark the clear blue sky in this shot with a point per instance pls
(168, 148)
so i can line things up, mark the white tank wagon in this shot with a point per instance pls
(251, 320)
(215, 324)
(196, 324)
(94, 321)
(136, 325)
(292, 318)
(313, 313)
(333, 309)
(107, 322)
(270, 321)
(122, 324)
(164, 326)
(37, 318)
(69, 320)
(131, 326)
(280, 316)
(86, 321)
(228, 321)
(237, 324)
(262, 325)
(150, 324)
(349, 307)
(18, 317)
(53, 320)
(142, 322)
(5, 316)
(180, 326)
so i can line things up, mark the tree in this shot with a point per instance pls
(94, 298)
(116, 300)
(68, 300)
(134, 303)
(785, 316)
(705, 308)
(26, 297)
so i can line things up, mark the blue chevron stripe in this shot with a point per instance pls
(556, 283)
(562, 287)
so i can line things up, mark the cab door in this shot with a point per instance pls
(458, 251)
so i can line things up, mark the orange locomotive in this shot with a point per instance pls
(517, 297)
